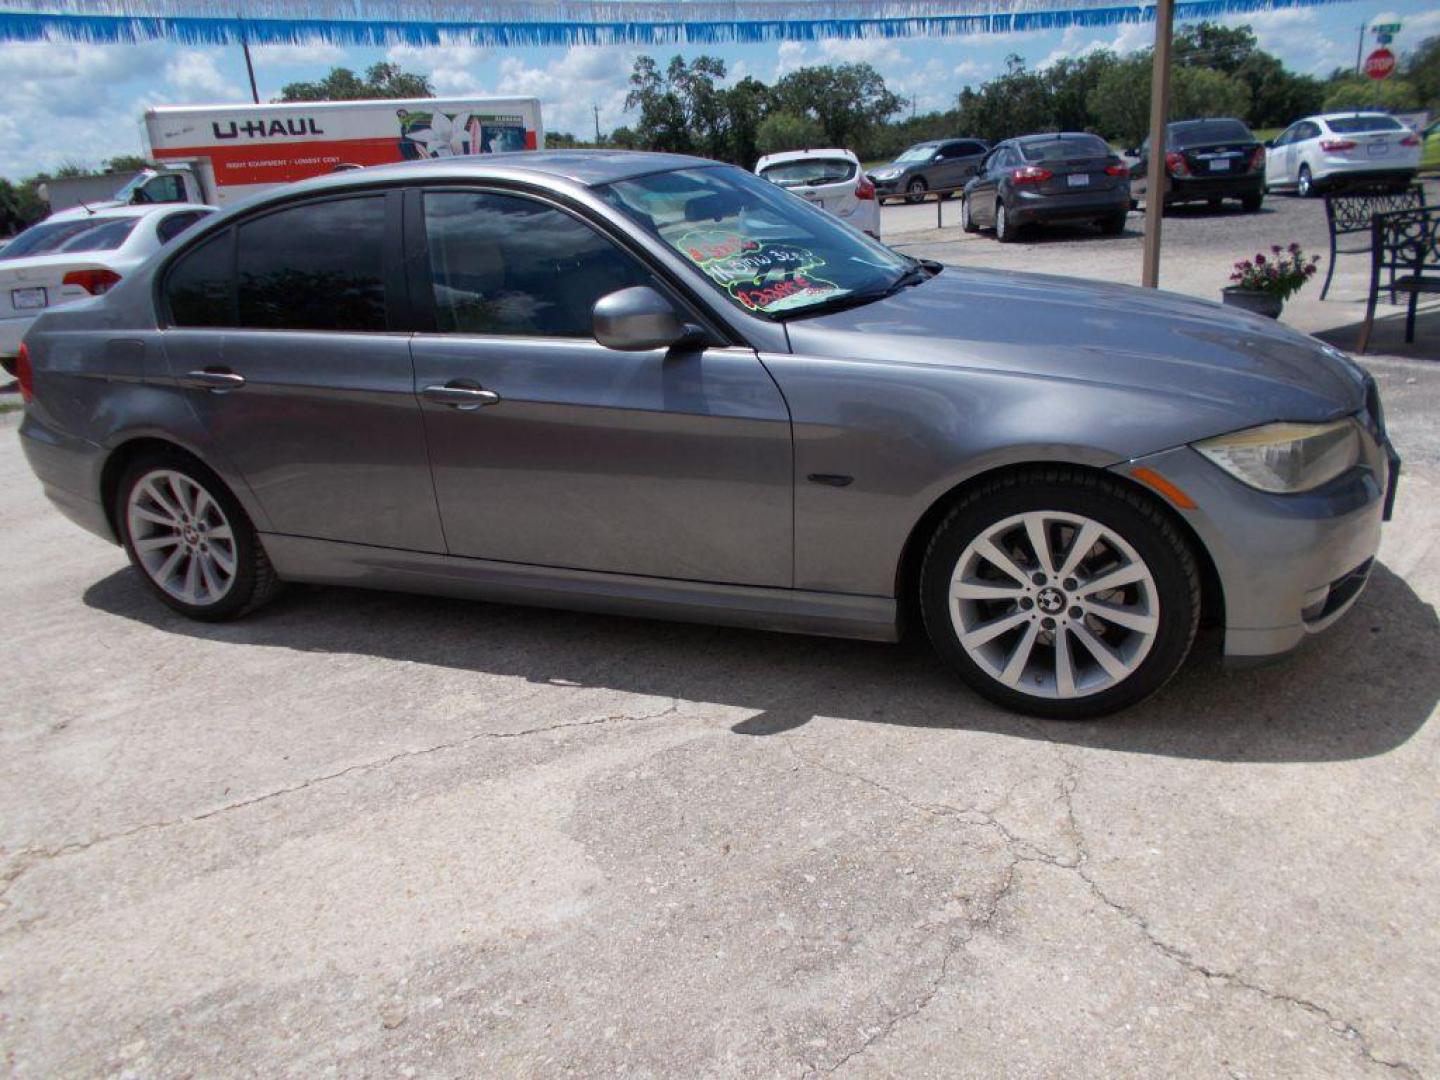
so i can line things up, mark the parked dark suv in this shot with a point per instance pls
(1207, 161)
(938, 165)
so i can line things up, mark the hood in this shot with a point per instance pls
(1041, 325)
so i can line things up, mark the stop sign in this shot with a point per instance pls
(1379, 64)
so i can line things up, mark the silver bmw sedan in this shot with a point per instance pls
(656, 385)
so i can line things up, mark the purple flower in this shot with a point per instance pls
(1259, 260)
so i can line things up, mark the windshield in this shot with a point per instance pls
(1077, 146)
(767, 250)
(1354, 125)
(922, 152)
(810, 171)
(49, 237)
(1209, 131)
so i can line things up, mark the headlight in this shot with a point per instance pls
(1286, 458)
(887, 174)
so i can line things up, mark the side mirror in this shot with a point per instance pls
(639, 319)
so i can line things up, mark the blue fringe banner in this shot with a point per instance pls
(696, 22)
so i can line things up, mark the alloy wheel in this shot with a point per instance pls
(1303, 185)
(182, 538)
(1054, 605)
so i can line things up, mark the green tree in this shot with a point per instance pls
(1070, 83)
(381, 81)
(1120, 102)
(663, 124)
(1278, 97)
(849, 101)
(1018, 102)
(1211, 45)
(781, 131)
(1362, 92)
(127, 163)
(1422, 71)
(746, 104)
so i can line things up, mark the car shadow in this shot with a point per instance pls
(1362, 689)
(1387, 337)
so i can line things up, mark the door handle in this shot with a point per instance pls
(216, 380)
(460, 396)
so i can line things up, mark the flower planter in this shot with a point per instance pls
(1261, 303)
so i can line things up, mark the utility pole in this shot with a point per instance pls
(914, 103)
(249, 66)
(596, 110)
(1360, 47)
(1155, 174)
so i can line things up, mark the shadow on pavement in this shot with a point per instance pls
(1388, 335)
(1361, 689)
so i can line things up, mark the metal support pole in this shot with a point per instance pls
(249, 67)
(1159, 110)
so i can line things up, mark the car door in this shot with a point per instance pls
(947, 170)
(548, 448)
(1280, 158)
(970, 156)
(286, 333)
(982, 209)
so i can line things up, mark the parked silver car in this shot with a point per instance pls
(657, 385)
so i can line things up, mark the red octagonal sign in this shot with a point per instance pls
(1379, 64)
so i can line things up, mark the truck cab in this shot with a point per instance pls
(176, 183)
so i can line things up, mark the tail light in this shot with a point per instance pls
(1030, 174)
(1257, 159)
(94, 282)
(1117, 170)
(1334, 146)
(1176, 164)
(1410, 140)
(864, 189)
(25, 375)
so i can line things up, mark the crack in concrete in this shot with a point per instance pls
(26, 859)
(1024, 851)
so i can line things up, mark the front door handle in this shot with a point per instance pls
(216, 379)
(467, 397)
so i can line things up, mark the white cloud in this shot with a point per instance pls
(194, 74)
(875, 51)
(319, 53)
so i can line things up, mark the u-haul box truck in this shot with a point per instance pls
(217, 154)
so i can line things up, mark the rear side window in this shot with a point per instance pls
(1208, 132)
(506, 265)
(318, 266)
(1079, 146)
(811, 171)
(175, 224)
(199, 288)
(1357, 125)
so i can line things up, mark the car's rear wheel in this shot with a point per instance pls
(1060, 593)
(190, 540)
(1252, 203)
(915, 190)
(1305, 184)
(1005, 230)
(967, 224)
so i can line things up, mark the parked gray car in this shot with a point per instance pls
(656, 385)
(941, 165)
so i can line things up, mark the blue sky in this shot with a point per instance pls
(69, 102)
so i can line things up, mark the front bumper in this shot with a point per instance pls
(1289, 565)
(889, 189)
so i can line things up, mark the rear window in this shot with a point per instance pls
(1211, 131)
(1074, 146)
(48, 237)
(1355, 125)
(810, 171)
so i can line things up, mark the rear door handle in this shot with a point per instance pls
(467, 397)
(217, 380)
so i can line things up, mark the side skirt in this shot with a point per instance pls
(331, 562)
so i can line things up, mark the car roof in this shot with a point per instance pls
(1206, 120)
(801, 155)
(1051, 136)
(110, 210)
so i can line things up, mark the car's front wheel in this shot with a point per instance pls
(190, 540)
(1060, 593)
(915, 190)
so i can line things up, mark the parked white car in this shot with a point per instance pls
(79, 253)
(1352, 147)
(831, 179)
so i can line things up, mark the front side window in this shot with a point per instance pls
(770, 252)
(508, 265)
(317, 266)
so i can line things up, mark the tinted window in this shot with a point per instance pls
(49, 236)
(175, 224)
(1307, 130)
(319, 266)
(1075, 146)
(1209, 132)
(105, 236)
(501, 264)
(922, 152)
(198, 288)
(161, 189)
(810, 171)
(1355, 125)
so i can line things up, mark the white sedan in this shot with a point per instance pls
(1353, 147)
(831, 179)
(79, 253)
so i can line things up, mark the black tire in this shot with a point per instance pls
(967, 224)
(254, 581)
(1304, 183)
(1114, 225)
(1005, 231)
(1132, 515)
(1252, 203)
(916, 190)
